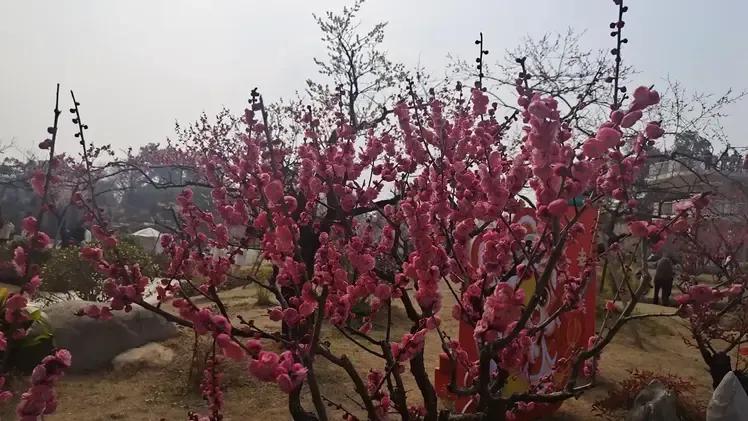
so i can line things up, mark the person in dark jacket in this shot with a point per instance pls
(663, 280)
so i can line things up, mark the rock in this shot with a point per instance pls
(152, 355)
(654, 403)
(729, 401)
(94, 343)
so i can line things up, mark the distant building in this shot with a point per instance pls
(670, 181)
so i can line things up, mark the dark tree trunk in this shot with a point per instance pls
(297, 411)
(418, 369)
(719, 366)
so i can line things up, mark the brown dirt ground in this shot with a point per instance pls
(168, 394)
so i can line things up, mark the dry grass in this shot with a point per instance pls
(167, 394)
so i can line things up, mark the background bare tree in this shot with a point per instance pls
(359, 75)
(557, 65)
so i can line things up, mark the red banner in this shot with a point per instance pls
(560, 338)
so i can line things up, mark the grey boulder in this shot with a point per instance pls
(94, 343)
(152, 355)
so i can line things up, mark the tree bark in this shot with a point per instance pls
(294, 407)
(418, 369)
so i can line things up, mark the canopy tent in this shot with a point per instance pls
(148, 238)
(246, 257)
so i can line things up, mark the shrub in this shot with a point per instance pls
(34, 256)
(242, 277)
(264, 297)
(623, 395)
(66, 272)
(441, 174)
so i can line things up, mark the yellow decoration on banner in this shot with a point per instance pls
(528, 285)
(515, 384)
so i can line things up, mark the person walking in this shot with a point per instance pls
(663, 280)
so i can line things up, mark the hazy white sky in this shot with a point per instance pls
(139, 65)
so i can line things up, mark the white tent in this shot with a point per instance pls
(148, 238)
(147, 233)
(247, 258)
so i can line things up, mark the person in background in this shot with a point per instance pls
(78, 235)
(663, 280)
(730, 264)
(67, 238)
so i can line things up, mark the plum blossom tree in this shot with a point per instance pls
(435, 172)
(439, 175)
(40, 398)
(710, 234)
